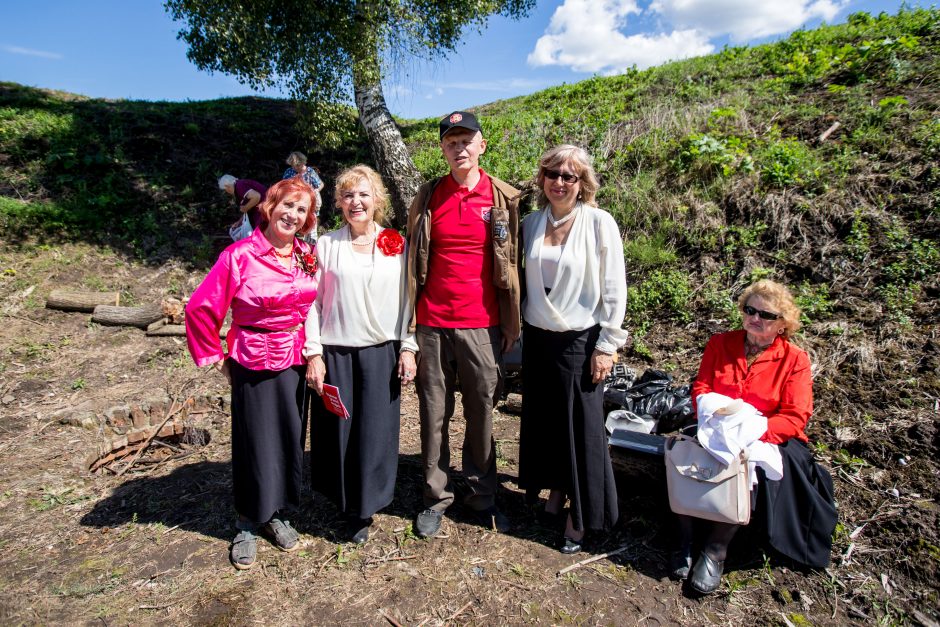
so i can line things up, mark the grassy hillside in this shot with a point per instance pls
(718, 174)
(139, 176)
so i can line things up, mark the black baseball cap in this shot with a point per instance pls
(459, 119)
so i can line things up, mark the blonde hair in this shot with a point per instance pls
(580, 160)
(780, 298)
(350, 177)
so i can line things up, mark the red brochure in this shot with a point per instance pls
(333, 402)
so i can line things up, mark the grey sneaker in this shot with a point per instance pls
(285, 538)
(244, 550)
(428, 523)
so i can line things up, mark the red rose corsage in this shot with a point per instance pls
(306, 261)
(390, 242)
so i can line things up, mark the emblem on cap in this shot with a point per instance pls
(455, 118)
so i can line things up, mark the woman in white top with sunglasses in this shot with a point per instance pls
(576, 298)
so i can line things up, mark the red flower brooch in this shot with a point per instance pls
(390, 242)
(307, 261)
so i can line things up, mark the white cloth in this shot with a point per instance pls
(358, 304)
(551, 255)
(737, 428)
(590, 285)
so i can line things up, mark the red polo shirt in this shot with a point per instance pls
(459, 292)
(779, 383)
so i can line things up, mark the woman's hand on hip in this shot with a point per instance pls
(316, 373)
(407, 367)
(601, 365)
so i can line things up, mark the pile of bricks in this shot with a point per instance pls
(124, 429)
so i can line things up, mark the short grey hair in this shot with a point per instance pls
(225, 180)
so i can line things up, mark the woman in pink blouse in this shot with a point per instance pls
(268, 281)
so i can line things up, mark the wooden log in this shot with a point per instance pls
(167, 330)
(81, 301)
(153, 326)
(140, 317)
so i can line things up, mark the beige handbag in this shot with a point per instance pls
(699, 485)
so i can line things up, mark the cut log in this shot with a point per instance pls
(81, 301)
(140, 317)
(168, 330)
(153, 326)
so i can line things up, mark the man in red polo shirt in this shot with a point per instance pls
(464, 282)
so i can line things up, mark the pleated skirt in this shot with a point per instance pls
(269, 411)
(562, 440)
(355, 460)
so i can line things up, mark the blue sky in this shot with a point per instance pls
(128, 49)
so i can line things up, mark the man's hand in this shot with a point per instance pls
(507, 343)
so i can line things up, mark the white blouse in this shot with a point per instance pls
(361, 300)
(590, 284)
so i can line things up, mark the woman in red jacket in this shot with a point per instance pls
(760, 365)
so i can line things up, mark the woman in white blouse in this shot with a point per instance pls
(358, 341)
(576, 298)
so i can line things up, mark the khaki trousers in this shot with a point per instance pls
(447, 358)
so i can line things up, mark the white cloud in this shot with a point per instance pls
(590, 35)
(745, 19)
(29, 52)
(586, 36)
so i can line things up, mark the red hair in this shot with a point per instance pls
(281, 190)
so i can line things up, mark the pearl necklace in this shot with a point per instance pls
(557, 223)
(369, 243)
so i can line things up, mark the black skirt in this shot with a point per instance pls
(562, 440)
(268, 434)
(355, 460)
(798, 513)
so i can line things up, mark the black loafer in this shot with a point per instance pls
(680, 563)
(570, 547)
(357, 529)
(706, 575)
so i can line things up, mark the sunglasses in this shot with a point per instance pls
(554, 175)
(764, 315)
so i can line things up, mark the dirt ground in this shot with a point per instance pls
(150, 546)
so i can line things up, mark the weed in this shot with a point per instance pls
(78, 384)
(572, 580)
(519, 570)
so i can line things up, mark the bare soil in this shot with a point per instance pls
(151, 546)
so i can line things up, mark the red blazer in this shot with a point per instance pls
(779, 382)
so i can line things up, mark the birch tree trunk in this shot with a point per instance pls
(399, 173)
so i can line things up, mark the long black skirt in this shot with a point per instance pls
(798, 512)
(268, 433)
(562, 440)
(355, 460)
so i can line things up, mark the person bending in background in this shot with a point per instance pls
(760, 365)
(268, 280)
(358, 340)
(576, 299)
(249, 195)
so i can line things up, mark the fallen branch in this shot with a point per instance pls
(458, 612)
(829, 131)
(170, 413)
(591, 560)
(390, 619)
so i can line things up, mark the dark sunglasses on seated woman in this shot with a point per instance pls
(554, 175)
(764, 315)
